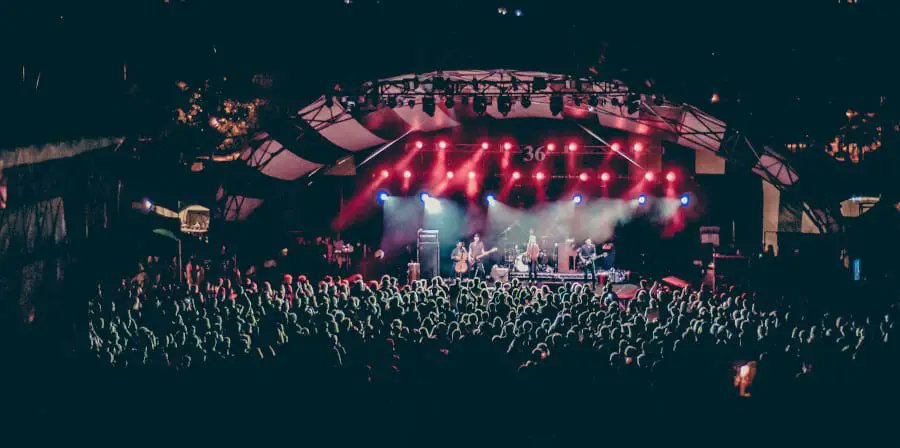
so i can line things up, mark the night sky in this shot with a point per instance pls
(782, 69)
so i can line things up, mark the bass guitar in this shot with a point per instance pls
(483, 254)
(465, 262)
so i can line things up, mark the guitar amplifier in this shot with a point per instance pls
(566, 257)
(429, 253)
(427, 236)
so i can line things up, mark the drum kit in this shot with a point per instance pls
(558, 255)
(517, 259)
(521, 262)
(553, 258)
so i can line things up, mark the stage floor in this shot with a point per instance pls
(557, 276)
(616, 276)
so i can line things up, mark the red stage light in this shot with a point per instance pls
(539, 176)
(604, 176)
(507, 146)
(485, 145)
(573, 146)
(670, 176)
(648, 176)
(638, 147)
(616, 147)
(516, 175)
(419, 144)
(407, 174)
(471, 175)
(583, 177)
(449, 174)
(551, 147)
(442, 144)
(385, 174)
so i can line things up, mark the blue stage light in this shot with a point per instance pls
(642, 199)
(577, 199)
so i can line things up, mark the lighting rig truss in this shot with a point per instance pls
(507, 92)
(514, 148)
(611, 101)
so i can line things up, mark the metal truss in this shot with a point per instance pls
(516, 148)
(608, 100)
(488, 85)
(740, 150)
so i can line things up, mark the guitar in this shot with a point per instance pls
(464, 262)
(585, 260)
(483, 254)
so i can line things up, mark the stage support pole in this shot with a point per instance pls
(385, 146)
(180, 266)
(597, 137)
(341, 206)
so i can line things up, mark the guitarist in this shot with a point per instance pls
(459, 256)
(476, 250)
(586, 254)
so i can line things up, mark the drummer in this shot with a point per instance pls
(532, 253)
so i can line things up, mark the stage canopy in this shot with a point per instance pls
(344, 123)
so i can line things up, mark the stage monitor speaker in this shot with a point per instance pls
(674, 282)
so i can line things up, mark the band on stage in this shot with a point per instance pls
(539, 256)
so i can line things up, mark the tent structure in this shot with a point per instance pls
(48, 199)
(382, 112)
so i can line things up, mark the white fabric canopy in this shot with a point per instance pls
(28, 155)
(273, 159)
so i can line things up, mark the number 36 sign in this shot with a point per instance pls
(531, 154)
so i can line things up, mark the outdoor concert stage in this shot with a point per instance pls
(508, 153)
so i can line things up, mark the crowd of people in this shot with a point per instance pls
(486, 345)
(663, 342)
(318, 257)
